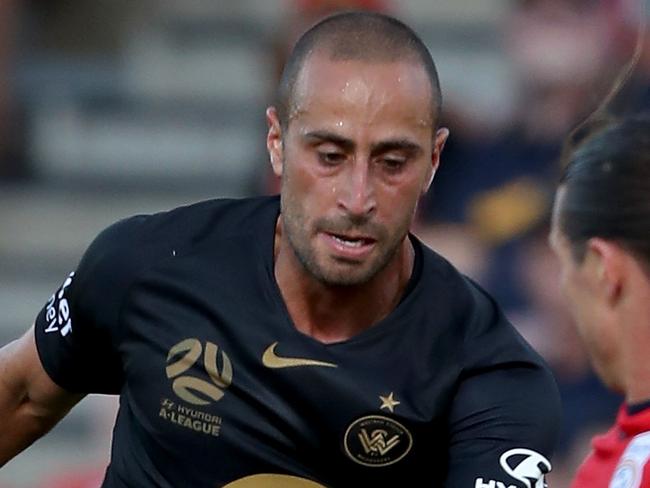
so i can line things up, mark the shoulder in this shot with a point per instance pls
(455, 290)
(126, 248)
(226, 215)
(191, 222)
(468, 306)
(145, 236)
(484, 333)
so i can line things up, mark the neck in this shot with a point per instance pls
(636, 339)
(336, 313)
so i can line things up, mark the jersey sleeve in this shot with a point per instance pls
(506, 414)
(504, 424)
(78, 330)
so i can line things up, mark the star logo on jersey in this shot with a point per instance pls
(272, 360)
(388, 402)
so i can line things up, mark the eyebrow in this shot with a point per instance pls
(377, 148)
(405, 145)
(326, 136)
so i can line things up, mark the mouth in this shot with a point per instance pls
(352, 241)
(349, 246)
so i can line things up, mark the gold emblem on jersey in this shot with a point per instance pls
(273, 481)
(377, 441)
(271, 360)
(389, 402)
(183, 356)
(190, 418)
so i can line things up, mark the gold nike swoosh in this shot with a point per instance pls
(271, 360)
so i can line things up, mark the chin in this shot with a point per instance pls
(605, 372)
(344, 277)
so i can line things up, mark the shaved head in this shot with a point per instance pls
(358, 36)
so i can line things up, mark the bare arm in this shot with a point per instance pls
(30, 402)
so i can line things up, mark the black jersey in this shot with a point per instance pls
(180, 314)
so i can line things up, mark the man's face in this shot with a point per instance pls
(357, 154)
(579, 285)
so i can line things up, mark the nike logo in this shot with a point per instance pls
(271, 360)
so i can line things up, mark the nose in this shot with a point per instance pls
(356, 193)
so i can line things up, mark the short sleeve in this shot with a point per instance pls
(504, 425)
(78, 330)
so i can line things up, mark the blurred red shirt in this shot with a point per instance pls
(620, 457)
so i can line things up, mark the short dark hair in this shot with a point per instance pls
(367, 36)
(606, 183)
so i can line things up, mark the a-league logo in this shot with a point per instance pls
(183, 356)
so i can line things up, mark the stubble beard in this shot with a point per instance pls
(341, 273)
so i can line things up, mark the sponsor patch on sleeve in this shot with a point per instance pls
(524, 465)
(57, 311)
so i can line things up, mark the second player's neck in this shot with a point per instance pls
(636, 343)
(334, 314)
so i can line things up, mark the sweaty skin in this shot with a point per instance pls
(361, 92)
(359, 151)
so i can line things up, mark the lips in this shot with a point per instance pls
(349, 246)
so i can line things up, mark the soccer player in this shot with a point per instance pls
(601, 235)
(302, 340)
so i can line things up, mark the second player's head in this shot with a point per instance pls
(601, 233)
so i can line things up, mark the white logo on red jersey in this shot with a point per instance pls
(629, 470)
(625, 476)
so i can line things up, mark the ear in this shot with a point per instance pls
(438, 145)
(274, 140)
(605, 261)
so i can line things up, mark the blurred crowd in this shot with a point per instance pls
(488, 211)
(490, 205)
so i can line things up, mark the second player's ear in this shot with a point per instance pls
(274, 140)
(438, 145)
(607, 267)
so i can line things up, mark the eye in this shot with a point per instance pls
(393, 164)
(331, 158)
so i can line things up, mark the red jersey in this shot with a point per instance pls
(619, 458)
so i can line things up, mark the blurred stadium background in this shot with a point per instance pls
(113, 107)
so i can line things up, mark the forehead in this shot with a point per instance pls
(368, 92)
